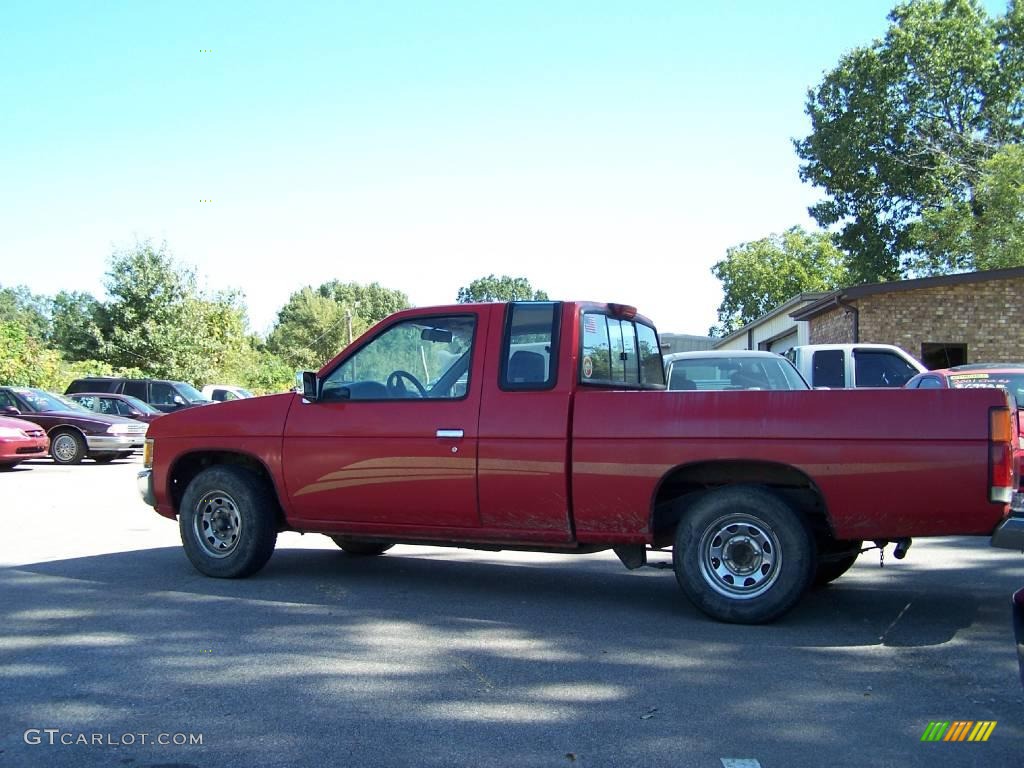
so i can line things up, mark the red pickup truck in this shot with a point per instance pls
(546, 426)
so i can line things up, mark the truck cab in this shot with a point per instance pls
(842, 366)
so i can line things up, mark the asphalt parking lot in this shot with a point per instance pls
(435, 657)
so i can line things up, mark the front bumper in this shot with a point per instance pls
(1009, 534)
(20, 449)
(104, 443)
(144, 482)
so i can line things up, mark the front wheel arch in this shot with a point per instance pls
(227, 521)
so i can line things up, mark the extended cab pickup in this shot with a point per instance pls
(546, 426)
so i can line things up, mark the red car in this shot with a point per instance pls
(20, 440)
(1008, 376)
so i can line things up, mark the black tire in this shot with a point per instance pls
(67, 447)
(228, 522)
(360, 548)
(742, 555)
(834, 559)
(124, 454)
(103, 458)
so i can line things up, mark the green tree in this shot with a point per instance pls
(24, 360)
(158, 320)
(315, 323)
(30, 311)
(758, 276)
(987, 233)
(504, 288)
(903, 128)
(75, 326)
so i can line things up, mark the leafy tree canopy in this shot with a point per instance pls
(758, 276)
(504, 288)
(20, 306)
(317, 323)
(905, 132)
(76, 325)
(158, 320)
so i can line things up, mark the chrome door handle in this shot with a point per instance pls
(451, 433)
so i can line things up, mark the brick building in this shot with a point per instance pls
(967, 318)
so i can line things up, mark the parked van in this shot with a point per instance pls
(163, 394)
(843, 366)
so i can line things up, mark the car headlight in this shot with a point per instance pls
(11, 432)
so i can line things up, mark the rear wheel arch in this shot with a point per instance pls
(684, 485)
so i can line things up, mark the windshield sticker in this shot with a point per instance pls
(968, 376)
(588, 367)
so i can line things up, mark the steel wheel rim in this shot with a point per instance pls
(740, 556)
(64, 447)
(217, 524)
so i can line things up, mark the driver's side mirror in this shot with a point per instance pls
(310, 386)
(179, 400)
(10, 410)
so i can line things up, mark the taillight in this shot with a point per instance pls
(1000, 455)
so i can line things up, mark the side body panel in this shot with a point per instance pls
(250, 427)
(888, 463)
(373, 465)
(524, 443)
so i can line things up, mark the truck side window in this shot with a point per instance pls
(829, 369)
(530, 349)
(881, 369)
(652, 369)
(615, 350)
(136, 389)
(424, 357)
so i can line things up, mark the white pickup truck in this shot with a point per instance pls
(843, 366)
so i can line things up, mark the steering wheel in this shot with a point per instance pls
(396, 387)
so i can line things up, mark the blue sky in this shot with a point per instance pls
(604, 150)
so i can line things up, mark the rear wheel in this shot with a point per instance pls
(360, 548)
(743, 555)
(67, 447)
(228, 522)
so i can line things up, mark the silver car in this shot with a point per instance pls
(731, 370)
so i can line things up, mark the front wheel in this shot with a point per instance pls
(360, 548)
(743, 555)
(67, 447)
(228, 522)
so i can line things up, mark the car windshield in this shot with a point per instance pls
(718, 372)
(190, 393)
(72, 405)
(42, 401)
(246, 392)
(139, 405)
(1011, 382)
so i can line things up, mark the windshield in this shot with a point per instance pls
(139, 405)
(734, 373)
(190, 393)
(42, 401)
(1011, 382)
(245, 392)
